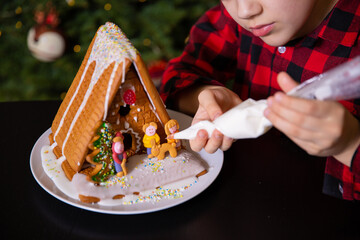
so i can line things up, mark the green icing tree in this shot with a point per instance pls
(104, 158)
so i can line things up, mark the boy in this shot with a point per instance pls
(247, 46)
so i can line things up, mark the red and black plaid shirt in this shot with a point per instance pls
(220, 52)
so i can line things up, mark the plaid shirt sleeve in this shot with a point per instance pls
(355, 168)
(341, 181)
(221, 52)
(208, 57)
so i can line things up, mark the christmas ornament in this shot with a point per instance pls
(45, 41)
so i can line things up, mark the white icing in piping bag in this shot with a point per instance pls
(246, 120)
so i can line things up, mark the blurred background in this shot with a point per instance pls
(42, 43)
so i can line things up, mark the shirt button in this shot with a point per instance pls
(282, 49)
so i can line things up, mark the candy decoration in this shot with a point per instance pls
(129, 97)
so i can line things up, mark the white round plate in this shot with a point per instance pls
(214, 161)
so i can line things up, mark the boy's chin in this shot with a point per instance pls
(275, 41)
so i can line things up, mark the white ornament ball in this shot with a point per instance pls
(49, 46)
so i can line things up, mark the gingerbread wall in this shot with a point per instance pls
(131, 108)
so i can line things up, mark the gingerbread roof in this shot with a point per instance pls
(87, 102)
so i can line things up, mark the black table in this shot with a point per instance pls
(268, 188)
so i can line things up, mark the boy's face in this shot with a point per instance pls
(277, 22)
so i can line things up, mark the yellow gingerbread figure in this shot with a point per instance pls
(150, 135)
(172, 127)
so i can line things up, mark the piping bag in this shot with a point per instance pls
(247, 120)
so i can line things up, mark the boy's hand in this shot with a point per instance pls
(213, 101)
(322, 128)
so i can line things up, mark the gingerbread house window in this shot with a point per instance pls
(124, 110)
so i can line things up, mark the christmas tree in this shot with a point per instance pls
(101, 155)
(157, 28)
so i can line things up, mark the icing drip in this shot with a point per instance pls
(61, 159)
(53, 146)
(149, 97)
(106, 103)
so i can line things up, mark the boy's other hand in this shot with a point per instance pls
(321, 128)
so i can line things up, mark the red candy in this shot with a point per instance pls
(129, 97)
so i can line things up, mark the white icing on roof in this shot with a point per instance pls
(110, 45)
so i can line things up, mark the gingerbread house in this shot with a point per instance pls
(113, 86)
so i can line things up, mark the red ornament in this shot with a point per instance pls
(52, 19)
(47, 15)
(129, 97)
